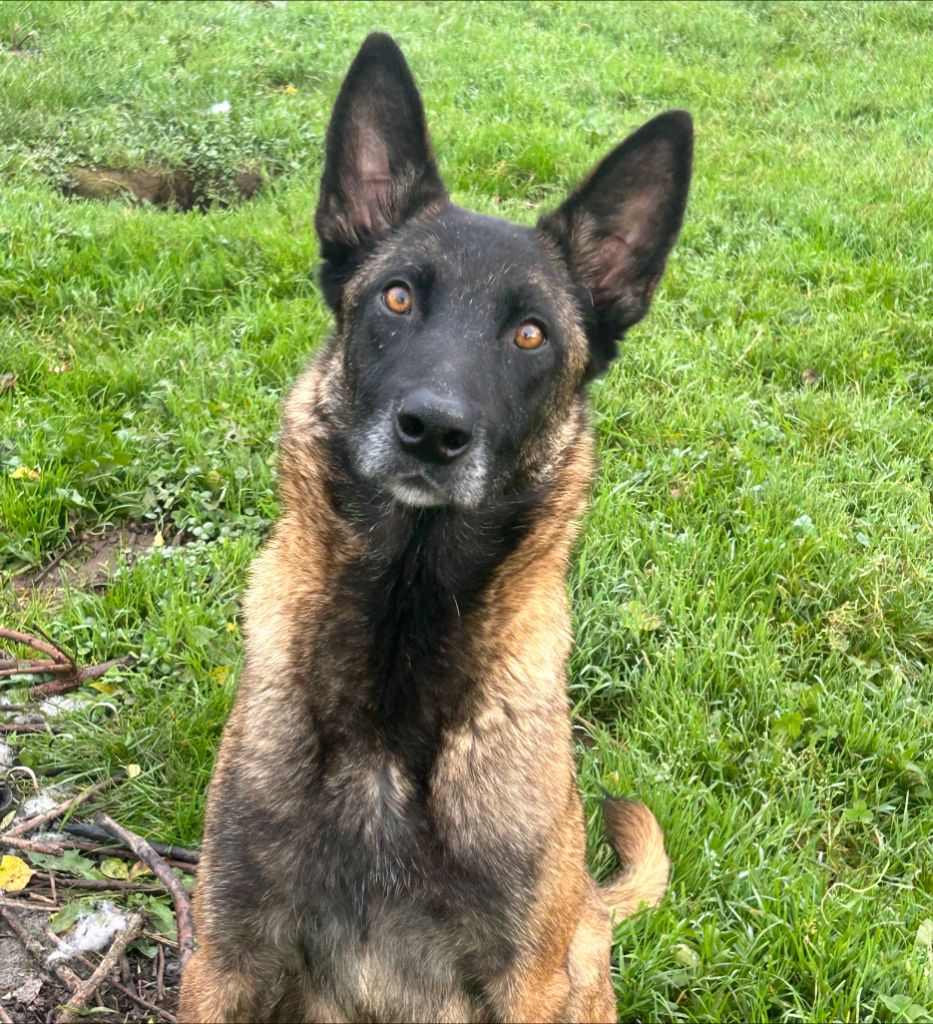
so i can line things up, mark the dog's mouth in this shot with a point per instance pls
(417, 491)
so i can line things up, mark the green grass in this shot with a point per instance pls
(754, 591)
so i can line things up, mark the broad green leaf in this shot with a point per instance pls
(114, 867)
(69, 913)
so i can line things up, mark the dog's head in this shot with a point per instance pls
(463, 340)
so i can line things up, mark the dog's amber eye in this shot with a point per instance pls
(530, 335)
(397, 298)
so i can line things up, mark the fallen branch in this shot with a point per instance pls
(38, 821)
(33, 845)
(7, 728)
(55, 653)
(168, 850)
(5, 1018)
(110, 848)
(72, 676)
(79, 678)
(137, 998)
(13, 667)
(95, 884)
(166, 876)
(41, 908)
(86, 989)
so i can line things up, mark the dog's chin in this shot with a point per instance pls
(416, 492)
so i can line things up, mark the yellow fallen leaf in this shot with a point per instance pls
(133, 771)
(25, 473)
(7, 820)
(102, 687)
(113, 867)
(14, 874)
(139, 868)
(289, 90)
(158, 541)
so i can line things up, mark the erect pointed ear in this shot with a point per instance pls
(378, 169)
(616, 229)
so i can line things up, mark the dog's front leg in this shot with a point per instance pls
(214, 990)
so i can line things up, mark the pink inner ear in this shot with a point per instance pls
(368, 181)
(634, 227)
(612, 263)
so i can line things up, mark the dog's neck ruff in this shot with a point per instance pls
(419, 601)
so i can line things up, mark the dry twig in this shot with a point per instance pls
(28, 727)
(34, 845)
(96, 884)
(79, 678)
(40, 820)
(88, 988)
(125, 989)
(166, 876)
(167, 850)
(42, 908)
(72, 676)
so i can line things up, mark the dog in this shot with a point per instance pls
(393, 828)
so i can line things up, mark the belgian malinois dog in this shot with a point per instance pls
(394, 831)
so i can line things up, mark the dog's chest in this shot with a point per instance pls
(390, 910)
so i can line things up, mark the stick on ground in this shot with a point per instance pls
(18, 843)
(86, 989)
(165, 875)
(95, 884)
(127, 991)
(72, 676)
(40, 820)
(81, 676)
(167, 850)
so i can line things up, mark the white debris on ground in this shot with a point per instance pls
(54, 706)
(39, 804)
(91, 932)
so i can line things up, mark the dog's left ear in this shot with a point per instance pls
(379, 169)
(616, 230)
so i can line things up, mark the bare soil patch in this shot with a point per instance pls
(89, 563)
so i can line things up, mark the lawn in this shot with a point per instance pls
(753, 592)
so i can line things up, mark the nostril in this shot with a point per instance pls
(410, 427)
(454, 441)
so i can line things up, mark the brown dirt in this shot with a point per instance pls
(165, 187)
(89, 563)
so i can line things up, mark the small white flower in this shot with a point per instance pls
(220, 108)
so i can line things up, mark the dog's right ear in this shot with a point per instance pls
(379, 169)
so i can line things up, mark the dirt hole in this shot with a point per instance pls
(89, 562)
(165, 187)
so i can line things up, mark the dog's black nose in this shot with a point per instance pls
(433, 428)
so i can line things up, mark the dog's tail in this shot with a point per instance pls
(638, 842)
